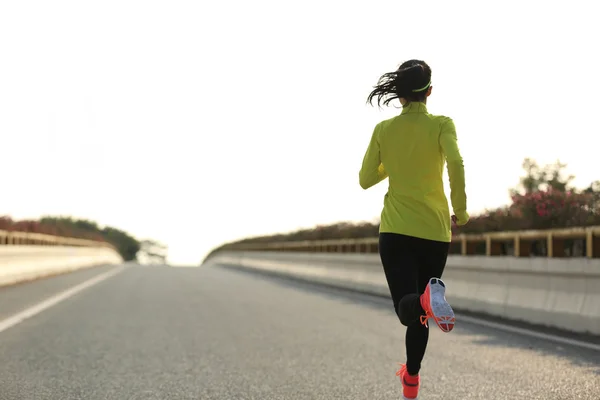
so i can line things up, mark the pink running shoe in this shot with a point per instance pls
(433, 301)
(410, 384)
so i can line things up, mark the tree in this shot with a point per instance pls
(538, 178)
(534, 176)
(553, 177)
(126, 245)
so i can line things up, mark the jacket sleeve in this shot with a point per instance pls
(456, 171)
(372, 171)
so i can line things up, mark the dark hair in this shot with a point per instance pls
(405, 82)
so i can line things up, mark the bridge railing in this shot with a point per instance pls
(569, 242)
(41, 239)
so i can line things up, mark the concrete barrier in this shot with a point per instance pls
(559, 293)
(553, 243)
(24, 263)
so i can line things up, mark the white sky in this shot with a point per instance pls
(200, 122)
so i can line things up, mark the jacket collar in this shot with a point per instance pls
(414, 107)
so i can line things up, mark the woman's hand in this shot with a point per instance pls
(462, 222)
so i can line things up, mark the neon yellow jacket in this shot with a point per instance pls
(411, 149)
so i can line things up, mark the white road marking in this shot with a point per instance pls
(38, 308)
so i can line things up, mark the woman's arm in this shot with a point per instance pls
(456, 171)
(372, 171)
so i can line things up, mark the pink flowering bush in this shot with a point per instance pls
(556, 209)
(545, 209)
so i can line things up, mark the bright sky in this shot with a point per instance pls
(200, 122)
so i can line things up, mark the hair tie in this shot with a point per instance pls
(423, 88)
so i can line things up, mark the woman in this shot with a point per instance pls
(415, 232)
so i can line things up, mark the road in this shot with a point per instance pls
(215, 333)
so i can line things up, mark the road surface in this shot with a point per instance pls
(214, 333)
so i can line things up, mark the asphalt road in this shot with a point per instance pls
(214, 333)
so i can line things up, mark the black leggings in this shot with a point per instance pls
(409, 263)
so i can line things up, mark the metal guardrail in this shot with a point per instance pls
(41, 239)
(569, 242)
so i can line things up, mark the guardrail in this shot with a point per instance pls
(41, 239)
(560, 293)
(554, 243)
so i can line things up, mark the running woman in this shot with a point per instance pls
(415, 231)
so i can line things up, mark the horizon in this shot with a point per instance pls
(193, 125)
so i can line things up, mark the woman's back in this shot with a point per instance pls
(413, 159)
(411, 149)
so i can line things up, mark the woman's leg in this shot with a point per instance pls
(431, 260)
(409, 263)
(400, 265)
(400, 258)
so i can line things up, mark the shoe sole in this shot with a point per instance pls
(444, 314)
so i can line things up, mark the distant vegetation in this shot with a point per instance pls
(125, 244)
(544, 199)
